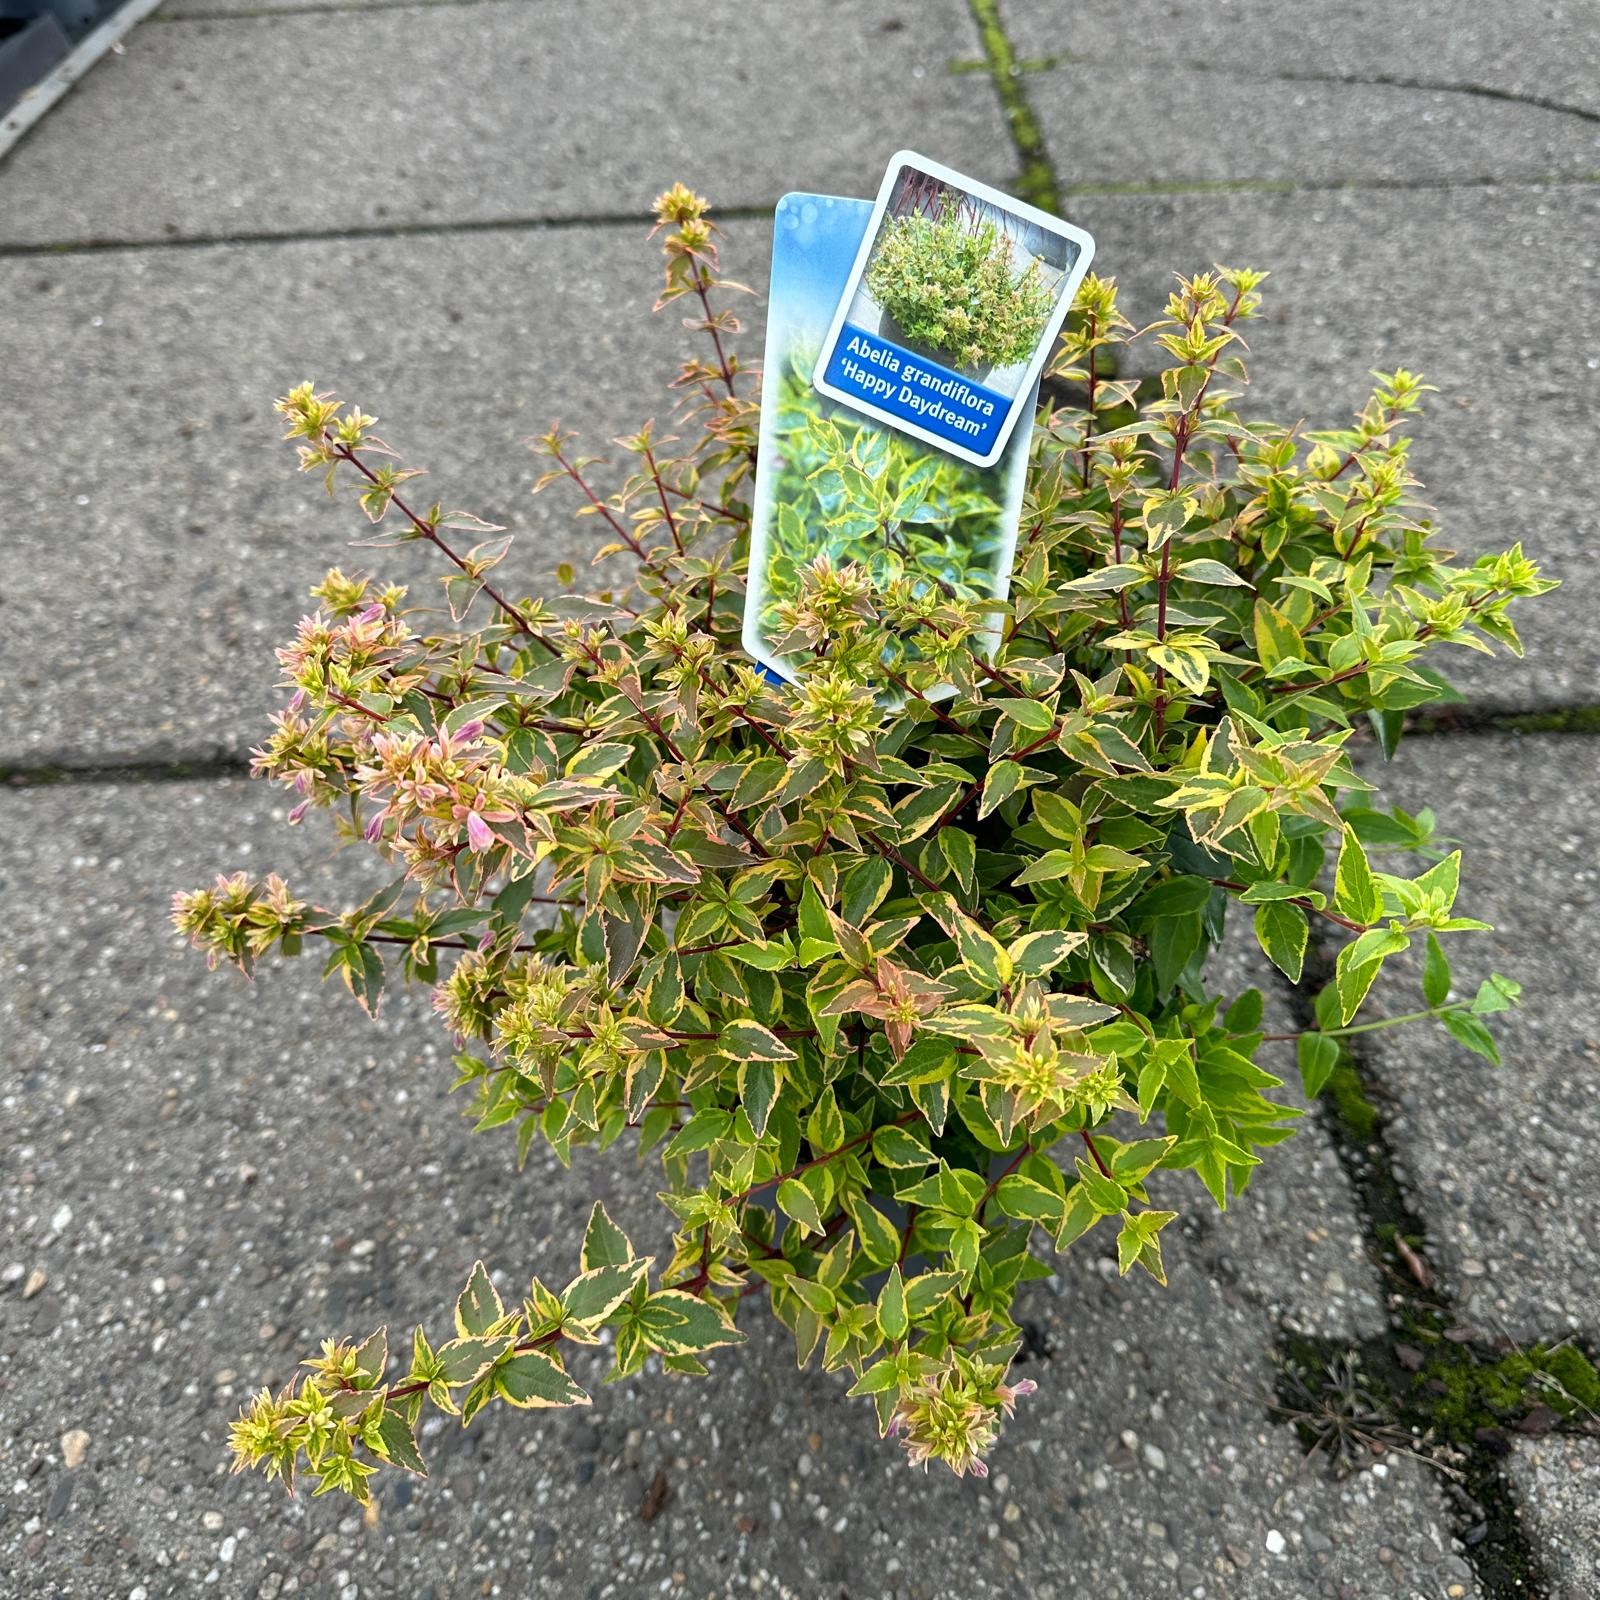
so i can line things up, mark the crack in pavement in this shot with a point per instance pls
(1353, 80)
(1481, 91)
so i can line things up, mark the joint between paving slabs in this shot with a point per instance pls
(49, 773)
(1036, 180)
(1432, 1386)
(1466, 719)
(1037, 185)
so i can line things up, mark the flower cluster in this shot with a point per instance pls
(953, 1412)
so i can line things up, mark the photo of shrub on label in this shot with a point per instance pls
(949, 314)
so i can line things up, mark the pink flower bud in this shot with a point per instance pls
(479, 835)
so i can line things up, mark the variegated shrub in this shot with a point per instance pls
(869, 967)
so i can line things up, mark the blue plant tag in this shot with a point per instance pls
(951, 309)
(960, 530)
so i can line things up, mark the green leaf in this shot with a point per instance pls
(797, 1201)
(892, 1316)
(681, 1323)
(981, 953)
(701, 1131)
(880, 1240)
(759, 1082)
(1053, 864)
(1435, 973)
(960, 853)
(532, 1379)
(1277, 639)
(1021, 1197)
(1106, 579)
(925, 1291)
(478, 1307)
(771, 956)
(1080, 1216)
(1182, 1076)
(595, 1294)
(1138, 1243)
(1468, 1030)
(744, 1039)
(1211, 572)
(1375, 945)
(1029, 714)
(1282, 931)
(1496, 993)
(1173, 942)
(1352, 980)
(463, 1360)
(400, 1443)
(1035, 954)
(1134, 1162)
(372, 1356)
(825, 1127)
(816, 932)
(1388, 726)
(1442, 879)
(599, 760)
(1003, 780)
(604, 1243)
(1105, 1194)
(759, 780)
(880, 1377)
(901, 1147)
(816, 1297)
(864, 889)
(1317, 1056)
(1355, 890)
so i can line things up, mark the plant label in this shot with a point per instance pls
(950, 310)
(837, 486)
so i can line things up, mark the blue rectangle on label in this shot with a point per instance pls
(902, 384)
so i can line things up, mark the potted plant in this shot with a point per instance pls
(871, 976)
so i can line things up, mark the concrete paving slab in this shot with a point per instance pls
(471, 113)
(1559, 1485)
(1505, 1165)
(1126, 120)
(163, 541)
(1518, 48)
(212, 1172)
